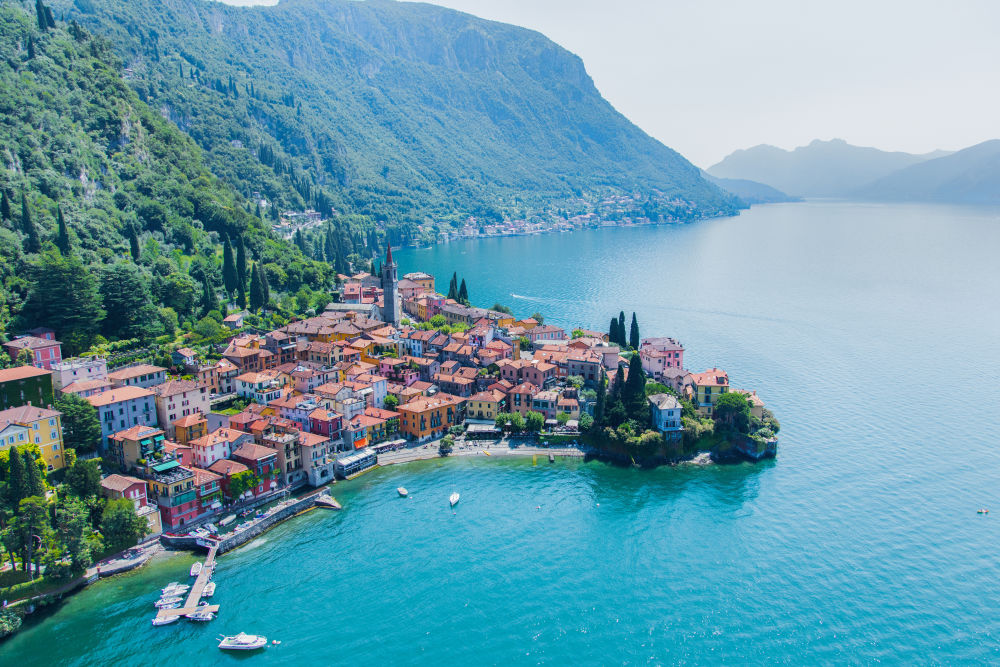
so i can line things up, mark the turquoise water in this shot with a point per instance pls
(872, 333)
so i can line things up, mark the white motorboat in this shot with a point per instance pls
(209, 590)
(402, 492)
(173, 584)
(196, 569)
(453, 500)
(166, 620)
(243, 642)
(175, 590)
(164, 603)
(200, 616)
(228, 520)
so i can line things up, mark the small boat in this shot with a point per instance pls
(165, 603)
(402, 492)
(243, 642)
(196, 569)
(552, 458)
(175, 590)
(200, 616)
(983, 511)
(173, 584)
(209, 590)
(228, 520)
(166, 620)
(453, 500)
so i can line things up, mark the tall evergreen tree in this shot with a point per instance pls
(133, 242)
(32, 243)
(128, 304)
(613, 332)
(17, 479)
(65, 297)
(241, 296)
(62, 234)
(31, 47)
(33, 476)
(43, 23)
(633, 336)
(229, 277)
(622, 335)
(241, 263)
(266, 285)
(616, 389)
(463, 293)
(634, 393)
(602, 397)
(300, 241)
(209, 299)
(453, 287)
(4, 206)
(256, 290)
(50, 20)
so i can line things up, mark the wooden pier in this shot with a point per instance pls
(194, 595)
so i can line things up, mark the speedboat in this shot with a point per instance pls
(243, 642)
(453, 500)
(164, 603)
(209, 590)
(200, 616)
(403, 492)
(228, 520)
(196, 569)
(166, 620)
(179, 589)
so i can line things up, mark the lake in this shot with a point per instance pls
(872, 333)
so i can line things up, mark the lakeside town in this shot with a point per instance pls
(395, 371)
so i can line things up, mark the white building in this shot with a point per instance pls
(78, 369)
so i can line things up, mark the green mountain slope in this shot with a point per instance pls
(403, 112)
(76, 139)
(821, 169)
(968, 176)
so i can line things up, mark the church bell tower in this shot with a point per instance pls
(390, 290)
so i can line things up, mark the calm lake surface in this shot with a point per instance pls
(871, 331)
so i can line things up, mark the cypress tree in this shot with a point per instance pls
(463, 293)
(256, 290)
(31, 47)
(62, 235)
(133, 240)
(209, 300)
(241, 296)
(33, 477)
(602, 395)
(616, 390)
(17, 484)
(4, 206)
(266, 285)
(634, 394)
(49, 19)
(300, 242)
(241, 264)
(633, 336)
(40, 15)
(622, 336)
(453, 287)
(229, 277)
(613, 332)
(32, 243)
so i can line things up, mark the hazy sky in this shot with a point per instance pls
(710, 76)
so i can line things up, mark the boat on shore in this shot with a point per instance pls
(453, 499)
(209, 590)
(243, 642)
(327, 501)
(402, 492)
(228, 520)
(196, 569)
(165, 620)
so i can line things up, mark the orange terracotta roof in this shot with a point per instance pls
(118, 395)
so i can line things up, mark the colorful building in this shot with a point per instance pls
(122, 408)
(485, 405)
(263, 463)
(134, 447)
(25, 385)
(430, 416)
(171, 486)
(44, 429)
(179, 398)
(707, 387)
(140, 375)
(45, 349)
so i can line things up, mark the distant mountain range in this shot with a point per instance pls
(751, 192)
(839, 170)
(968, 176)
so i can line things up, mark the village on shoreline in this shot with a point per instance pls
(391, 372)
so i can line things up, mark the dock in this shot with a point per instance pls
(194, 595)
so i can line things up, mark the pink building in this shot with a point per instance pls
(660, 354)
(45, 349)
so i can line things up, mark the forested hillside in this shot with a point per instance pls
(111, 223)
(409, 114)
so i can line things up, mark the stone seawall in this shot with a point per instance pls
(261, 526)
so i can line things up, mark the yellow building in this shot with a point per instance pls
(707, 387)
(485, 404)
(44, 429)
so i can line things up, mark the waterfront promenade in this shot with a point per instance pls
(475, 448)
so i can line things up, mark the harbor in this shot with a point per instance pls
(192, 604)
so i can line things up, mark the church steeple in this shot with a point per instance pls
(390, 290)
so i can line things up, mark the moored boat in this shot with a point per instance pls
(243, 642)
(165, 620)
(453, 500)
(165, 603)
(228, 520)
(196, 569)
(200, 616)
(209, 590)
(175, 590)
(402, 492)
